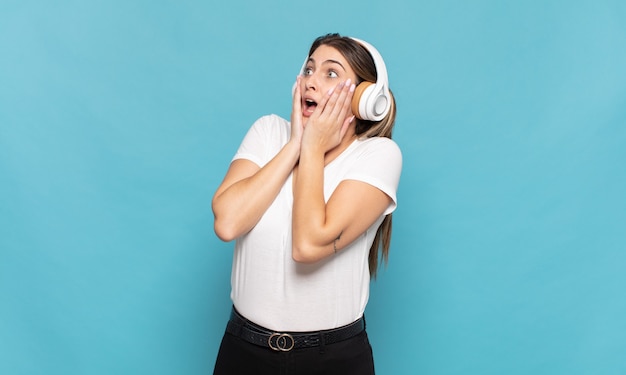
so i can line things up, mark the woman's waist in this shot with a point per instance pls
(308, 315)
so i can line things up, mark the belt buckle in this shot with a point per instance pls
(281, 342)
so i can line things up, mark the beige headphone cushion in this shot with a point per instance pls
(356, 98)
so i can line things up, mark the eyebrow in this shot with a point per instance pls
(329, 61)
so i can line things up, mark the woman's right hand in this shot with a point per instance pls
(248, 189)
(297, 125)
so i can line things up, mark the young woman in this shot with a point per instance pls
(309, 204)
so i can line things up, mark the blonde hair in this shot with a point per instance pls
(363, 65)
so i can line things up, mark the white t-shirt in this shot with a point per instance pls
(268, 286)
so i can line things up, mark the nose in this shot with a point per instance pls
(310, 82)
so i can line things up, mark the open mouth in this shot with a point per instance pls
(309, 106)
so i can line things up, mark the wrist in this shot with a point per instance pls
(293, 147)
(312, 150)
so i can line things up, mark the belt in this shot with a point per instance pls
(286, 341)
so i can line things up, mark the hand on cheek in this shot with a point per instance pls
(332, 117)
(297, 126)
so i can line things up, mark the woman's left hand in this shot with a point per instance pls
(329, 123)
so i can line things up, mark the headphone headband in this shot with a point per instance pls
(374, 101)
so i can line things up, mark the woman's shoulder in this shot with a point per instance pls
(271, 128)
(272, 125)
(272, 120)
(379, 144)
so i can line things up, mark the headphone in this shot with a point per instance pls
(371, 100)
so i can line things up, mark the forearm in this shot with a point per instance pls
(239, 205)
(311, 237)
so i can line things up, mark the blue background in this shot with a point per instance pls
(118, 120)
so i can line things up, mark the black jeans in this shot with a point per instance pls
(351, 356)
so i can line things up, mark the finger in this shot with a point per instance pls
(297, 97)
(346, 100)
(296, 105)
(325, 107)
(345, 125)
(342, 104)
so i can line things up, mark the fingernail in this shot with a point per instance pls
(331, 90)
(352, 87)
(348, 82)
(352, 118)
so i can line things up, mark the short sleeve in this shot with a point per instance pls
(263, 140)
(379, 163)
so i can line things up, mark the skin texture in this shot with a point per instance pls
(319, 134)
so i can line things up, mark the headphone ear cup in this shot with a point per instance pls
(358, 98)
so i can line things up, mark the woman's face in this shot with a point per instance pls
(325, 69)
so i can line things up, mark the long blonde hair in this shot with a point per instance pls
(363, 65)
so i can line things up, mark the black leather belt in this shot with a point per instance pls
(286, 341)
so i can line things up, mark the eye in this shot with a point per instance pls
(307, 71)
(332, 74)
